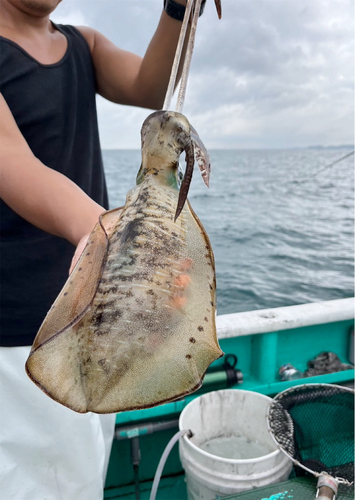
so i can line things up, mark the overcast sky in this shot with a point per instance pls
(270, 74)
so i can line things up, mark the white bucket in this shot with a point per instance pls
(239, 417)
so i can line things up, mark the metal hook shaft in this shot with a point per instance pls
(188, 57)
(174, 69)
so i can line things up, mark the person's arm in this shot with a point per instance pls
(39, 194)
(126, 78)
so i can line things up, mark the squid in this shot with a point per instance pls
(134, 325)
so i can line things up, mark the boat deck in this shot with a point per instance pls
(262, 341)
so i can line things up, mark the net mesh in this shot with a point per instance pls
(314, 425)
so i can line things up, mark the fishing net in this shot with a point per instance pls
(314, 425)
(325, 362)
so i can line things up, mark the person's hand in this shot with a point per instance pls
(79, 250)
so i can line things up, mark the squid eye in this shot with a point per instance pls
(180, 175)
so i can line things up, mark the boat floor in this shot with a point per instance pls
(174, 488)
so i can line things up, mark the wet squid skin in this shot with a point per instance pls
(140, 283)
(146, 332)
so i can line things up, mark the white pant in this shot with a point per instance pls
(47, 452)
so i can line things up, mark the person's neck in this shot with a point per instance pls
(33, 32)
(14, 19)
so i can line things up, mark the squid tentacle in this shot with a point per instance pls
(185, 185)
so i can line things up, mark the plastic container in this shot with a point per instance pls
(289, 372)
(231, 416)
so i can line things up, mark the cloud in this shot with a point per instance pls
(119, 126)
(271, 73)
(70, 13)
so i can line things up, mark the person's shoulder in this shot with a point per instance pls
(89, 34)
(96, 40)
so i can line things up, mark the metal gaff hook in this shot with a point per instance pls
(186, 68)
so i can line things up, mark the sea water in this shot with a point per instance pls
(237, 447)
(276, 242)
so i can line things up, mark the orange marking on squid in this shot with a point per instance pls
(178, 302)
(186, 264)
(183, 280)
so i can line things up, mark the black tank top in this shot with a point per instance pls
(54, 107)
